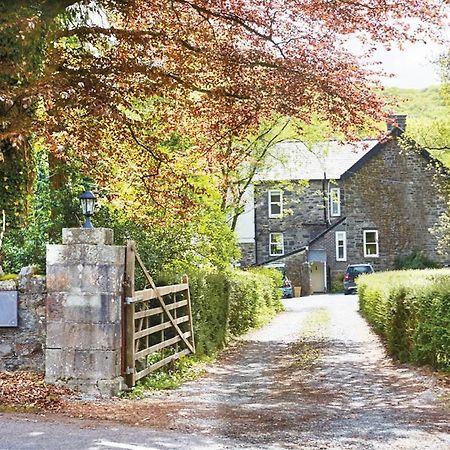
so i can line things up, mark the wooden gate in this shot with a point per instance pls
(157, 322)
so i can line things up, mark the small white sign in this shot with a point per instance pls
(8, 309)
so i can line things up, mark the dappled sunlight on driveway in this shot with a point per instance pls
(317, 375)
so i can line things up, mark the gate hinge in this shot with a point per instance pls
(129, 370)
(128, 300)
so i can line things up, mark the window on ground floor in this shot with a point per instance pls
(371, 243)
(276, 244)
(341, 246)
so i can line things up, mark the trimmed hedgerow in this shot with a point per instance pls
(229, 303)
(411, 310)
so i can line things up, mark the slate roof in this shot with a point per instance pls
(292, 160)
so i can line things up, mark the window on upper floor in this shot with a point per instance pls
(335, 202)
(371, 244)
(341, 245)
(275, 203)
(276, 244)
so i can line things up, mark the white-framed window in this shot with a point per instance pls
(371, 244)
(335, 202)
(276, 244)
(275, 203)
(341, 245)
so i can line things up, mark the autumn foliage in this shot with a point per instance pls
(27, 391)
(144, 93)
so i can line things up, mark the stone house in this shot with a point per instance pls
(321, 209)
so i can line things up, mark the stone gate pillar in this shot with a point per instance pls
(84, 285)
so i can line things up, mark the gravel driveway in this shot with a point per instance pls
(315, 378)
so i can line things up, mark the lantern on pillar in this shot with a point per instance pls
(88, 201)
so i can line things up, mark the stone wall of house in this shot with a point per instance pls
(328, 243)
(22, 347)
(248, 254)
(398, 194)
(298, 271)
(303, 217)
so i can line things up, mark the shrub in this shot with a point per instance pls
(415, 260)
(49, 209)
(275, 275)
(210, 309)
(229, 303)
(411, 310)
(253, 298)
(337, 284)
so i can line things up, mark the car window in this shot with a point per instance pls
(357, 270)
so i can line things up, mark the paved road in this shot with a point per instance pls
(315, 378)
(21, 432)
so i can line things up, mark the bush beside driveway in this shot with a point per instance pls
(411, 311)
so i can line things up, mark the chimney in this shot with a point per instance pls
(396, 121)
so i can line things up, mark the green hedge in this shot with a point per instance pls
(411, 310)
(229, 303)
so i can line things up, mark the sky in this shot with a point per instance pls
(414, 67)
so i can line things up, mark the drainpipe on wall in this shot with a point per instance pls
(325, 198)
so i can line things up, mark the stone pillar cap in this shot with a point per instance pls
(92, 236)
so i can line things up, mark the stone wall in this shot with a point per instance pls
(84, 338)
(299, 272)
(398, 194)
(248, 257)
(303, 217)
(69, 323)
(22, 348)
(294, 271)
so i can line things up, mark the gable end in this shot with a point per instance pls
(394, 133)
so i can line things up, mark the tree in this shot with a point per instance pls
(428, 113)
(72, 72)
(428, 127)
(241, 160)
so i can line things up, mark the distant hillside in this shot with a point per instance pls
(422, 104)
(428, 119)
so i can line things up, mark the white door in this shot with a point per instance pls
(318, 276)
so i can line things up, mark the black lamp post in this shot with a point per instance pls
(87, 199)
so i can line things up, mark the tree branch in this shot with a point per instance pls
(235, 19)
